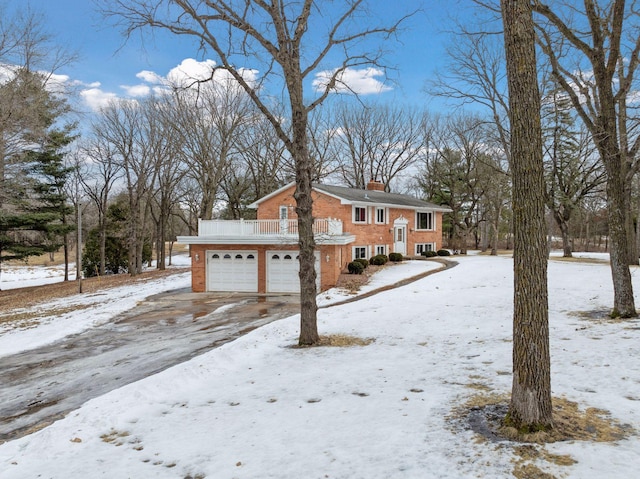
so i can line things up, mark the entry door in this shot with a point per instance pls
(400, 239)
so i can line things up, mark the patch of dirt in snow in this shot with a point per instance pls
(484, 413)
(339, 341)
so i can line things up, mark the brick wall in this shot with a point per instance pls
(330, 261)
(369, 235)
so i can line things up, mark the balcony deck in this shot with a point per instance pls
(326, 231)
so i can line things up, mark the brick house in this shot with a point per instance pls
(261, 255)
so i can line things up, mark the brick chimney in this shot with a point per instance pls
(375, 185)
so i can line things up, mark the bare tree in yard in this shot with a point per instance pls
(530, 408)
(122, 126)
(163, 144)
(573, 171)
(476, 75)
(210, 120)
(455, 172)
(377, 142)
(292, 39)
(593, 54)
(495, 203)
(322, 144)
(98, 174)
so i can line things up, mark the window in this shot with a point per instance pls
(360, 214)
(284, 213)
(359, 252)
(421, 247)
(381, 249)
(424, 221)
(380, 216)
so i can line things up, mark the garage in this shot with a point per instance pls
(232, 271)
(282, 271)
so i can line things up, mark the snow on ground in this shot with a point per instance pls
(21, 276)
(14, 275)
(79, 312)
(258, 408)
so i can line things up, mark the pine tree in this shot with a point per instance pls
(52, 176)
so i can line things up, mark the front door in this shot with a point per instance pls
(284, 220)
(400, 239)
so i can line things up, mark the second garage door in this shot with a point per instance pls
(282, 271)
(232, 271)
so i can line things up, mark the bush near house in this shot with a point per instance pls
(444, 252)
(429, 254)
(363, 262)
(379, 260)
(396, 257)
(355, 267)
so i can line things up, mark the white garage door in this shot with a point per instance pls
(282, 271)
(232, 271)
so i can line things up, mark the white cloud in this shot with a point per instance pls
(150, 77)
(96, 98)
(136, 91)
(351, 80)
(190, 70)
(187, 73)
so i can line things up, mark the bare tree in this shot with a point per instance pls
(210, 119)
(292, 39)
(530, 407)
(377, 142)
(476, 75)
(163, 145)
(455, 172)
(122, 127)
(603, 37)
(322, 144)
(98, 173)
(573, 171)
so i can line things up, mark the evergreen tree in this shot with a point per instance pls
(52, 175)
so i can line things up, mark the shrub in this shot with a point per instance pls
(379, 259)
(444, 252)
(396, 257)
(355, 267)
(362, 261)
(429, 254)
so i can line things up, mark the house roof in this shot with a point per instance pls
(349, 196)
(374, 197)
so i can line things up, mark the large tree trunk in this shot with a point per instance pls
(304, 210)
(623, 302)
(530, 407)
(306, 241)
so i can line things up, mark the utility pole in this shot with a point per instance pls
(79, 249)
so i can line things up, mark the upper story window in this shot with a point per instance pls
(424, 221)
(284, 212)
(359, 214)
(381, 216)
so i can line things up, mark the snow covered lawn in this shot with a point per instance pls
(258, 408)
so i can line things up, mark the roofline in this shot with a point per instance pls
(344, 201)
(255, 204)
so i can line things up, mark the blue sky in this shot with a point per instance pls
(106, 68)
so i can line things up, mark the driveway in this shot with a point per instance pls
(42, 385)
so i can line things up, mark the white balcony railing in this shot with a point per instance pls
(325, 226)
